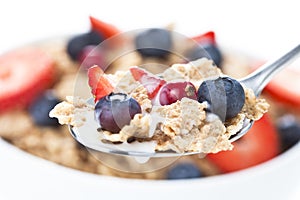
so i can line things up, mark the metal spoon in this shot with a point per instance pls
(256, 81)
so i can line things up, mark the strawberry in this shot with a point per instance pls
(94, 74)
(99, 84)
(24, 74)
(151, 82)
(208, 37)
(107, 30)
(260, 144)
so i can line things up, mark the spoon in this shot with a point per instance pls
(258, 79)
(255, 81)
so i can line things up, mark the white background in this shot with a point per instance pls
(263, 28)
(267, 28)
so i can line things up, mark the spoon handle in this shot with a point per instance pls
(258, 79)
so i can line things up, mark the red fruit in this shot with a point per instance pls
(260, 144)
(171, 92)
(24, 74)
(151, 82)
(107, 30)
(99, 84)
(94, 74)
(138, 73)
(208, 37)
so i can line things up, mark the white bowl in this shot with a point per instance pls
(24, 176)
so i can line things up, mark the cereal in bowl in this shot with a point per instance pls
(25, 122)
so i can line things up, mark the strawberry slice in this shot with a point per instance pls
(99, 84)
(107, 30)
(94, 75)
(208, 37)
(24, 74)
(260, 144)
(151, 82)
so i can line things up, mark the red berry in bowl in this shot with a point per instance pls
(260, 144)
(24, 74)
(103, 28)
(115, 111)
(208, 37)
(171, 92)
(151, 82)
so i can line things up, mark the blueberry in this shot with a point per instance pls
(78, 42)
(184, 171)
(40, 108)
(289, 131)
(225, 96)
(115, 111)
(154, 43)
(209, 51)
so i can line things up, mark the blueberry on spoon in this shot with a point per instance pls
(225, 96)
(116, 110)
